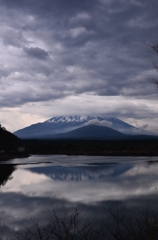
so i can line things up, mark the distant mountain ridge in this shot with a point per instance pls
(65, 124)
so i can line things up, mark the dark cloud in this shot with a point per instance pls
(36, 52)
(94, 47)
(12, 38)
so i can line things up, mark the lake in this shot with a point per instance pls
(30, 187)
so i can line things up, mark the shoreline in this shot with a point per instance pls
(146, 148)
(9, 156)
(93, 147)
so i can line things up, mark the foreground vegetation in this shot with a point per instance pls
(144, 226)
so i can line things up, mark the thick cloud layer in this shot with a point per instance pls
(52, 50)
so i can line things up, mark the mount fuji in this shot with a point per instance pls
(57, 126)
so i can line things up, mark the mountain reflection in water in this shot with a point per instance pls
(69, 182)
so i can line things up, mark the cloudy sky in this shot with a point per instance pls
(77, 57)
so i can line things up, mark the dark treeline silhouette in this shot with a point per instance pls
(94, 147)
(8, 141)
(10, 145)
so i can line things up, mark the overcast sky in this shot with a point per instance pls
(62, 57)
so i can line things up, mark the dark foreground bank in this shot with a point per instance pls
(93, 147)
(10, 155)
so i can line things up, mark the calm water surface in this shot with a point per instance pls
(31, 186)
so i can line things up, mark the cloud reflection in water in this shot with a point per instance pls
(86, 183)
(35, 188)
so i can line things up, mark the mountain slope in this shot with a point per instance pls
(65, 124)
(91, 132)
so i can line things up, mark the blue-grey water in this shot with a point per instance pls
(32, 186)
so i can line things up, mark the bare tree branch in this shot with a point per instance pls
(154, 50)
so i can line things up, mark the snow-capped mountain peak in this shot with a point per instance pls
(78, 118)
(74, 118)
(63, 124)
